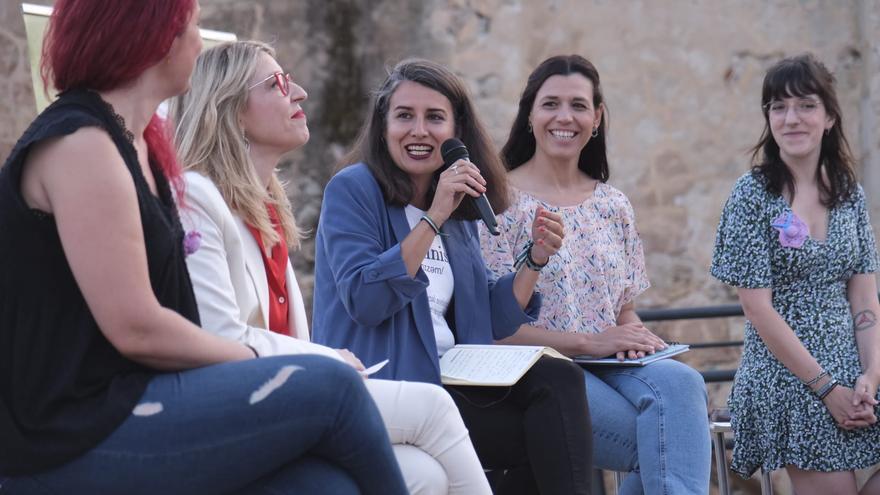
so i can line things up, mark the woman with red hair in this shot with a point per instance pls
(107, 383)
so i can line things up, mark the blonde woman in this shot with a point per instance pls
(241, 115)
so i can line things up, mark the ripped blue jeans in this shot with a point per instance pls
(286, 424)
(651, 422)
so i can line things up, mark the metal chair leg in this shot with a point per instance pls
(618, 479)
(720, 462)
(766, 484)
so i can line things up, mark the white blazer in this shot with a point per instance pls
(229, 277)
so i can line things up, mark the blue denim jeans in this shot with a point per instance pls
(652, 422)
(279, 425)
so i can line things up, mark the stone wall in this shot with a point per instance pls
(682, 79)
(17, 107)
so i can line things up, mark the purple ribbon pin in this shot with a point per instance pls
(192, 241)
(792, 230)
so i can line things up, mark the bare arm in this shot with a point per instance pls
(628, 314)
(781, 340)
(613, 340)
(569, 344)
(414, 246)
(524, 285)
(629, 319)
(776, 334)
(862, 294)
(83, 181)
(547, 234)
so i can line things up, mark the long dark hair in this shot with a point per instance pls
(797, 77)
(396, 184)
(520, 145)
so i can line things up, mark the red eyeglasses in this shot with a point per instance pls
(281, 80)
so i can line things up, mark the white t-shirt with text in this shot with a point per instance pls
(440, 284)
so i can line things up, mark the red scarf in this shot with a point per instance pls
(276, 275)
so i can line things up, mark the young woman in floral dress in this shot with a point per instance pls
(796, 242)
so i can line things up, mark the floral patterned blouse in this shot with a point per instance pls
(600, 267)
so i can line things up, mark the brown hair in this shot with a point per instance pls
(801, 76)
(520, 145)
(396, 185)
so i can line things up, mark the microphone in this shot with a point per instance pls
(453, 150)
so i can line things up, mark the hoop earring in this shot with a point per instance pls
(595, 132)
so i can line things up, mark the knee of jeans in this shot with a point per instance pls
(329, 366)
(329, 375)
(684, 381)
(693, 382)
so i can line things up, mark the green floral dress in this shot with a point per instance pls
(776, 419)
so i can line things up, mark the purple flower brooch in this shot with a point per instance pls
(192, 241)
(792, 230)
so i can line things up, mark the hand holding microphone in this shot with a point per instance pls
(455, 162)
(462, 178)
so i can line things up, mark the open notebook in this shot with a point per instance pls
(490, 365)
(672, 350)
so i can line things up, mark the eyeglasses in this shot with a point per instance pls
(282, 81)
(803, 107)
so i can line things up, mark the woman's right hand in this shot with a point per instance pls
(351, 359)
(846, 415)
(626, 341)
(463, 177)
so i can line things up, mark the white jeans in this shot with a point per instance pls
(429, 439)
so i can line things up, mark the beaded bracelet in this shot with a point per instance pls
(826, 389)
(822, 373)
(525, 258)
(430, 222)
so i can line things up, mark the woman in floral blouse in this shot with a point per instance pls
(796, 242)
(649, 421)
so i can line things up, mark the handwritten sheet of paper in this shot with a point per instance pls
(487, 365)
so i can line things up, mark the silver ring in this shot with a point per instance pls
(455, 169)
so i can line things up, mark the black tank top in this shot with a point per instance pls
(63, 386)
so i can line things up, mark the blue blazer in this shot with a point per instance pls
(366, 302)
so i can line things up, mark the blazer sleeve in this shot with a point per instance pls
(507, 315)
(498, 254)
(205, 211)
(363, 258)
